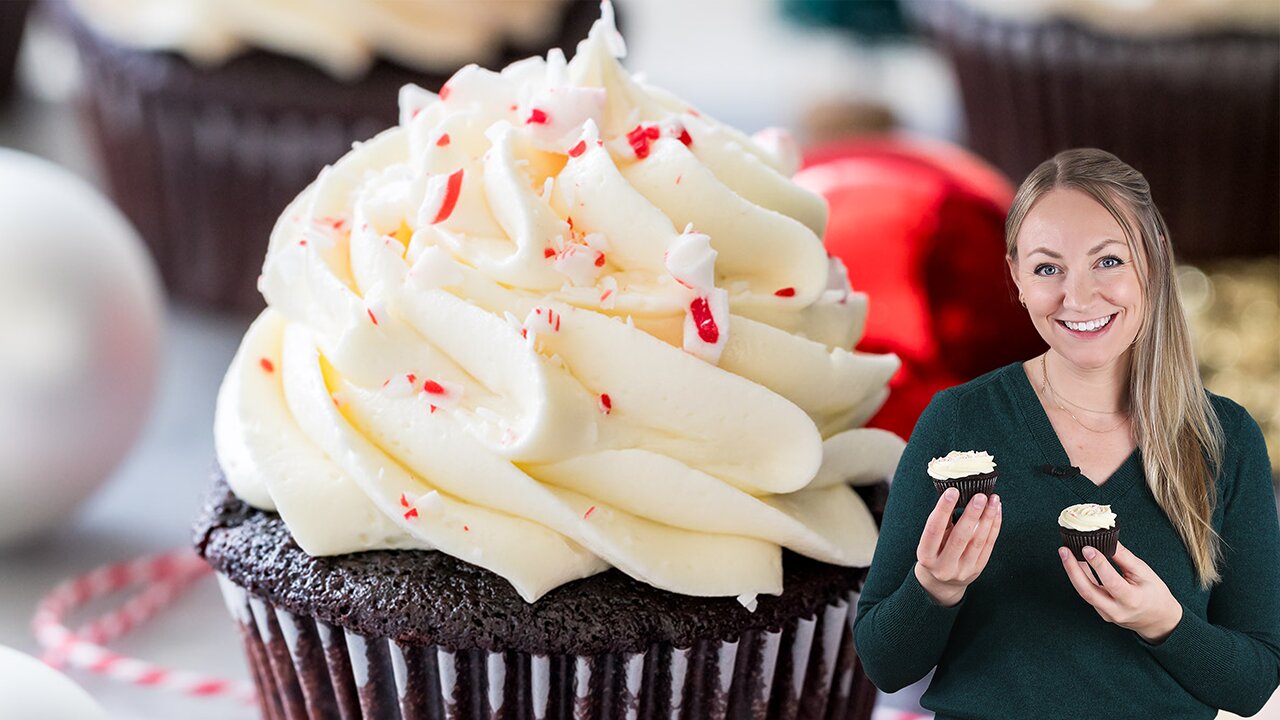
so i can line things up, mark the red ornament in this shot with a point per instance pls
(920, 226)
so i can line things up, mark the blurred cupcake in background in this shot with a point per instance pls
(211, 115)
(13, 18)
(1187, 91)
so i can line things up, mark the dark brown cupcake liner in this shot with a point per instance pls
(1198, 115)
(204, 160)
(307, 668)
(1103, 541)
(968, 486)
(13, 20)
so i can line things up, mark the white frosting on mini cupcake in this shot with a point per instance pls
(958, 464)
(1087, 517)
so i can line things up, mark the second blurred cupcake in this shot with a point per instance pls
(211, 115)
(1187, 92)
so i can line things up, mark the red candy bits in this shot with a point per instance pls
(702, 319)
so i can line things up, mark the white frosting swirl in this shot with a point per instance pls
(1087, 517)
(1145, 17)
(344, 37)
(439, 367)
(958, 464)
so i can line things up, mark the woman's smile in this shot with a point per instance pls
(1087, 329)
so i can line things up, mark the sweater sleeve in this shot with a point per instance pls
(1231, 659)
(900, 632)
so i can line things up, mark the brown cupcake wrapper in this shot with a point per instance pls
(1032, 89)
(205, 175)
(968, 486)
(306, 668)
(1103, 541)
(13, 20)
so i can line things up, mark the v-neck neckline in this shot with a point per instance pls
(1055, 454)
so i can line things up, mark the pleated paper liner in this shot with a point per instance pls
(307, 668)
(13, 19)
(1103, 541)
(968, 486)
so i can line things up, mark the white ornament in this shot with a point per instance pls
(80, 323)
(31, 690)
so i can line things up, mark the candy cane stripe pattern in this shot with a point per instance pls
(162, 579)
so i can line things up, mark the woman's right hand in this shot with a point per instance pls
(950, 556)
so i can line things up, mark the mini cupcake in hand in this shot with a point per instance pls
(970, 472)
(1089, 524)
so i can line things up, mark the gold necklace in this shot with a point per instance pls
(1078, 406)
(1047, 388)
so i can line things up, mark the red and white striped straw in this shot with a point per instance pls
(163, 578)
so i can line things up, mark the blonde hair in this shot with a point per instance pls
(1175, 426)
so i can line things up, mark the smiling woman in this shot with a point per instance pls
(1178, 620)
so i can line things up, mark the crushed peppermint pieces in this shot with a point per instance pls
(404, 500)
(411, 513)
(547, 316)
(786, 292)
(399, 386)
(700, 311)
(267, 365)
(449, 200)
(578, 149)
(537, 116)
(684, 137)
(443, 140)
(587, 514)
(372, 317)
(641, 137)
(444, 92)
(442, 394)
(606, 403)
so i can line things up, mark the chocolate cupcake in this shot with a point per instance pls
(1134, 79)
(1089, 524)
(210, 120)
(418, 633)
(969, 472)
(551, 414)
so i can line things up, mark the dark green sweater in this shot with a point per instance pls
(1022, 643)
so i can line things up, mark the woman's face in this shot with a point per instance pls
(1076, 274)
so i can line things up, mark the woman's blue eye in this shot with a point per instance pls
(1111, 261)
(1046, 270)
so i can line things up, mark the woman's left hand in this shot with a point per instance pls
(1133, 597)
